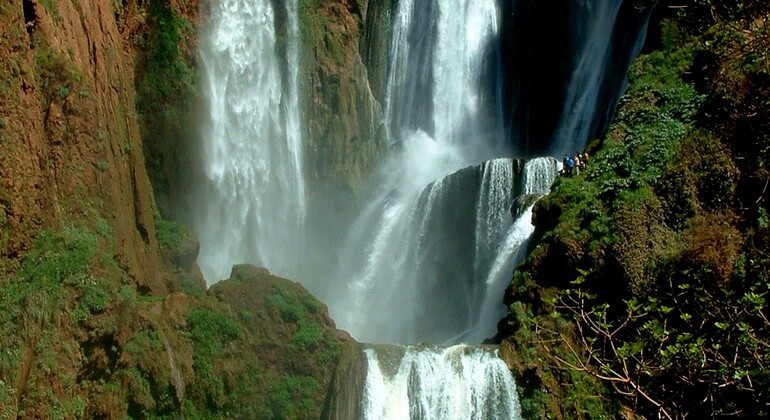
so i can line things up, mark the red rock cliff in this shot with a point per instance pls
(70, 145)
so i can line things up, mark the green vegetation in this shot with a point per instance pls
(172, 235)
(309, 337)
(56, 73)
(315, 31)
(167, 91)
(649, 271)
(57, 287)
(279, 326)
(102, 165)
(51, 8)
(210, 331)
(291, 397)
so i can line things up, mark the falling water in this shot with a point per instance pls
(252, 206)
(432, 249)
(580, 112)
(566, 70)
(457, 382)
(537, 177)
(493, 215)
(436, 71)
(435, 116)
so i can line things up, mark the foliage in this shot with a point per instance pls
(167, 90)
(309, 337)
(210, 331)
(291, 397)
(167, 76)
(657, 253)
(56, 73)
(59, 280)
(51, 8)
(172, 235)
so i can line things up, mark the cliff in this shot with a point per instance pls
(70, 138)
(343, 116)
(646, 281)
(104, 312)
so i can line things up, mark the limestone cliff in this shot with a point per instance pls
(70, 140)
(88, 326)
(344, 130)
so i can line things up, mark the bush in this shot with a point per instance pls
(167, 91)
(57, 74)
(661, 247)
(211, 331)
(172, 235)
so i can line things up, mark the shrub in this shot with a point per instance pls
(56, 73)
(172, 235)
(211, 331)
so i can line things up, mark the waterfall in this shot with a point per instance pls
(536, 180)
(566, 71)
(458, 382)
(584, 90)
(493, 214)
(444, 219)
(436, 72)
(539, 175)
(436, 117)
(251, 208)
(439, 262)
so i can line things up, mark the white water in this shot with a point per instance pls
(252, 207)
(457, 382)
(435, 119)
(432, 250)
(537, 178)
(595, 24)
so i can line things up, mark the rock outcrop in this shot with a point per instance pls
(344, 130)
(70, 144)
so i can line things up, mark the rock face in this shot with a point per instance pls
(283, 360)
(70, 143)
(344, 131)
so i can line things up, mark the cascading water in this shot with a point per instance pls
(509, 240)
(565, 62)
(408, 265)
(458, 382)
(584, 91)
(432, 249)
(436, 73)
(252, 206)
(436, 118)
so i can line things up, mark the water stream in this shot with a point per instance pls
(252, 206)
(448, 212)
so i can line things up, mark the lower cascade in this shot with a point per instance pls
(427, 382)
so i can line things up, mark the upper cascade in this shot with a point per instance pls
(436, 77)
(565, 71)
(418, 268)
(252, 206)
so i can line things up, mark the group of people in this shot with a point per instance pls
(572, 165)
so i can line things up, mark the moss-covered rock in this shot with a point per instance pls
(642, 274)
(270, 350)
(344, 130)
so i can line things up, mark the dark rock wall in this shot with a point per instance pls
(539, 54)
